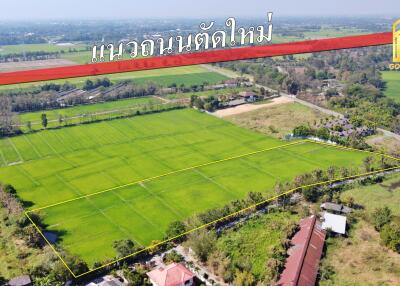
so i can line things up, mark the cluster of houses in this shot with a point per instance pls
(341, 127)
(302, 264)
(230, 83)
(244, 97)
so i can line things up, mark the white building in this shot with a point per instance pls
(335, 223)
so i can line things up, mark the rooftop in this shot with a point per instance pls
(335, 207)
(336, 223)
(301, 266)
(20, 281)
(173, 275)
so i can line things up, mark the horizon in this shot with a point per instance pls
(49, 10)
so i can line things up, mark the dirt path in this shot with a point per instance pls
(250, 107)
(162, 98)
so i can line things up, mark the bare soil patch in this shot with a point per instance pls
(250, 107)
(27, 65)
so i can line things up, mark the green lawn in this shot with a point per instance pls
(378, 195)
(56, 165)
(188, 75)
(392, 79)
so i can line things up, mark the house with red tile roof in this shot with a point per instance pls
(301, 267)
(174, 274)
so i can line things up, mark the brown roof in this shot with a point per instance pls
(173, 275)
(301, 266)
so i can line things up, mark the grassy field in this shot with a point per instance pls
(51, 48)
(189, 75)
(256, 239)
(379, 195)
(392, 79)
(56, 165)
(277, 120)
(329, 32)
(360, 259)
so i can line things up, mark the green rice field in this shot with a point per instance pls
(149, 166)
(392, 79)
(53, 114)
(188, 76)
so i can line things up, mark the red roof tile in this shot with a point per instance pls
(173, 275)
(301, 266)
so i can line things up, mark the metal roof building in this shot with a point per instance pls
(301, 267)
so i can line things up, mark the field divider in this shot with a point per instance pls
(167, 174)
(224, 217)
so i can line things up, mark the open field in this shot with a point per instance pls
(392, 79)
(189, 75)
(29, 65)
(386, 144)
(330, 32)
(360, 259)
(256, 238)
(50, 48)
(277, 120)
(248, 107)
(375, 196)
(50, 167)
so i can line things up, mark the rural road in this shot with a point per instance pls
(232, 74)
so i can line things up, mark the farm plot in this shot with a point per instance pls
(189, 75)
(392, 79)
(147, 172)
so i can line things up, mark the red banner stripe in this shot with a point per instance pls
(231, 54)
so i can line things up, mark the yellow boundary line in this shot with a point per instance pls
(222, 218)
(166, 174)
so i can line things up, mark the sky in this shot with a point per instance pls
(135, 9)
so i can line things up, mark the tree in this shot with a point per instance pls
(29, 125)
(293, 86)
(60, 119)
(77, 266)
(124, 247)
(173, 256)
(311, 194)
(175, 229)
(381, 217)
(244, 278)
(6, 116)
(390, 235)
(136, 278)
(44, 120)
(302, 131)
(367, 162)
(47, 281)
(202, 243)
(9, 189)
(88, 85)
